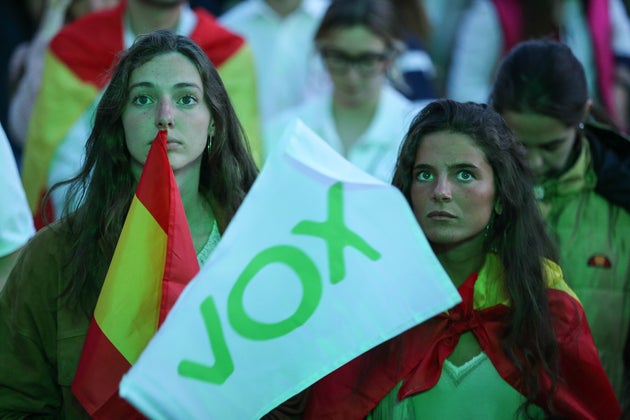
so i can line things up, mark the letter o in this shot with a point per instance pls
(306, 271)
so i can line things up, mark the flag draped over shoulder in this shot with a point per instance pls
(153, 261)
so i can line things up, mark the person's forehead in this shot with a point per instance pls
(354, 40)
(450, 148)
(172, 65)
(535, 129)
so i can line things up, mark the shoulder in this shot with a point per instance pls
(92, 29)
(89, 45)
(37, 278)
(610, 156)
(51, 243)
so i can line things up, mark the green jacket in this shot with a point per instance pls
(41, 340)
(593, 236)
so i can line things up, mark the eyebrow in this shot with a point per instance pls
(181, 85)
(462, 165)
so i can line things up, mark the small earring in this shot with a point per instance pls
(209, 144)
(498, 207)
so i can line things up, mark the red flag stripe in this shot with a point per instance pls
(155, 189)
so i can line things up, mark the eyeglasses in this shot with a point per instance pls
(367, 64)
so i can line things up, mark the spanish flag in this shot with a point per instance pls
(153, 261)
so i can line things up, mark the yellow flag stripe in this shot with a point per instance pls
(52, 119)
(129, 304)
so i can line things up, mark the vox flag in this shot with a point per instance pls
(153, 261)
(321, 263)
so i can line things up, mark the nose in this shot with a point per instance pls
(536, 161)
(442, 190)
(164, 114)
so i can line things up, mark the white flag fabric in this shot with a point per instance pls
(321, 263)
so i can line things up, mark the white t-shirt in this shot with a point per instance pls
(288, 67)
(375, 151)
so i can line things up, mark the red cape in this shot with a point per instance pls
(416, 358)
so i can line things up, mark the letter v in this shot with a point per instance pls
(223, 365)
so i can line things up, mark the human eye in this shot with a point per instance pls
(424, 176)
(188, 100)
(368, 62)
(335, 60)
(465, 175)
(141, 100)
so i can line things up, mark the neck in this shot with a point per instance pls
(199, 212)
(145, 17)
(461, 260)
(188, 184)
(283, 8)
(352, 121)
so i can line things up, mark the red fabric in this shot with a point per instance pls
(101, 359)
(102, 366)
(42, 219)
(90, 45)
(417, 356)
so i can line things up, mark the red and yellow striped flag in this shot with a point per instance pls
(154, 260)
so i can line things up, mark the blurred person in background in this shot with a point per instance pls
(414, 62)
(364, 118)
(597, 31)
(27, 61)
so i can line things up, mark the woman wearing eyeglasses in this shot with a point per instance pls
(364, 118)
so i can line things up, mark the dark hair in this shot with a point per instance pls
(377, 15)
(412, 18)
(541, 77)
(105, 185)
(517, 234)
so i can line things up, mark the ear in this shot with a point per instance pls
(498, 207)
(211, 129)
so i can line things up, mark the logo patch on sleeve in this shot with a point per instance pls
(599, 260)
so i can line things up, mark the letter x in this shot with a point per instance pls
(337, 235)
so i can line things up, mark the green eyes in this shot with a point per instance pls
(185, 100)
(141, 100)
(462, 175)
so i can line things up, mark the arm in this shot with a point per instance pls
(6, 265)
(28, 330)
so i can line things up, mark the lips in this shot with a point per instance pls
(173, 144)
(441, 214)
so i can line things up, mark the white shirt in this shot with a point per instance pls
(479, 45)
(16, 220)
(288, 67)
(375, 151)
